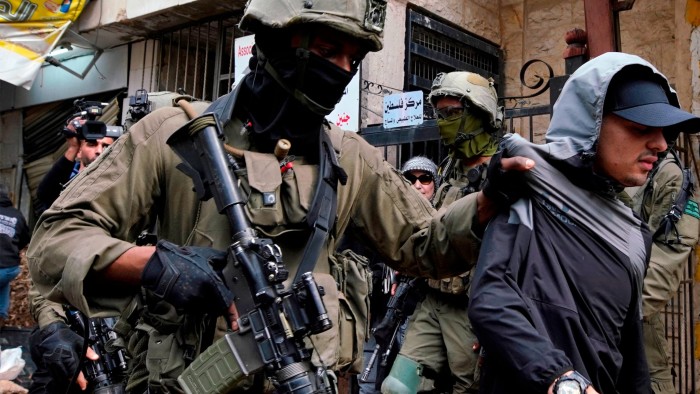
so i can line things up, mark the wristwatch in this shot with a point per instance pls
(573, 383)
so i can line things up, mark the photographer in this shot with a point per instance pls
(80, 153)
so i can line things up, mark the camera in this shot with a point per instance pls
(139, 106)
(92, 129)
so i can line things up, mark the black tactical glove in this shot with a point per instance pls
(503, 187)
(185, 276)
(60, 349)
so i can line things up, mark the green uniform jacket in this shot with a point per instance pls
(667, 260)
(105, 207)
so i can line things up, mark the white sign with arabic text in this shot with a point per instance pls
(403, 109)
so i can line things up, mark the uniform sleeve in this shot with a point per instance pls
(400, 223)
(668, 256)
(500, 314)
(99, 214)
(44, 311)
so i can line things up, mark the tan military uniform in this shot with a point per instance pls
(439, 333)
(666, 264)
(104, 208)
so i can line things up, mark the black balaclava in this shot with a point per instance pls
(276, 91)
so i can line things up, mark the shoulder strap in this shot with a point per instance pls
(668, 222)
(322, 213)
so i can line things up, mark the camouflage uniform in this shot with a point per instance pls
(440, 336)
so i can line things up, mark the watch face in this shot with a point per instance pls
(569, 387)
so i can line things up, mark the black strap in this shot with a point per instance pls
(322, 214)
(669, 221)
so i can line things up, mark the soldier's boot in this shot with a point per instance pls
(404, 378)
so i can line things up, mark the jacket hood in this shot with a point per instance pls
(578, 113)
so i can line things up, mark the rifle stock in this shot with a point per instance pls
(400, 307)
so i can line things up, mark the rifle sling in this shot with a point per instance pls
(322, 214)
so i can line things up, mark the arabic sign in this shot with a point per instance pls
(29, 31)
(403, 109)
(346, 114)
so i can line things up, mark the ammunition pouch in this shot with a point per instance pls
(353, 279)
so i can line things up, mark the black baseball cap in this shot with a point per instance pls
(643, 100)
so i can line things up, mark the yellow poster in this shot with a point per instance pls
(29, 31)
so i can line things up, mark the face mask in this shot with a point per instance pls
(324, 83)
(472, 140)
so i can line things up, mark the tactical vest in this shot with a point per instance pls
(456, 186)
(166, 342)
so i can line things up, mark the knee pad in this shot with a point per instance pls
(404, 378)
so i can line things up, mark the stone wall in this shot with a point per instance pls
(535, 29)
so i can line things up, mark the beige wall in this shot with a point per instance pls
(535, 29)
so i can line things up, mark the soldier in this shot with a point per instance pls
(306, 52)
(439, 338)
(664, 202)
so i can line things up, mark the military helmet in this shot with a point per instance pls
(363, 19)
(475, 89)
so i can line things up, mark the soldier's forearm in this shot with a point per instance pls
(128, 267)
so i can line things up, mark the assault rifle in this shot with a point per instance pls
(106, 375)
(400, 307)
(273, 320)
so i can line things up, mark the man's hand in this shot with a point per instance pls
(71, 133)
(60, 348)
(187, 277)
(504, 184)
(589, 389)
(92, 356)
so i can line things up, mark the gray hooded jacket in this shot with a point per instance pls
(559, 278)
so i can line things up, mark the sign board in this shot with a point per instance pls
(243, 47)
(403, 109)
(29, 31)
(346, 114)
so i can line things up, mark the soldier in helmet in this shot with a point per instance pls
(305, 54)
(440, 341)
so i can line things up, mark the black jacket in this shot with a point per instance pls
(14, 233)
(51, 185)
(552, 299)
(558, 282)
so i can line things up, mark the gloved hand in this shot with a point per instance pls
(504, 187)
(186, 277)
(60, 349)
